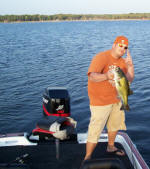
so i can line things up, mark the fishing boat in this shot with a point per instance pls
(55, 144)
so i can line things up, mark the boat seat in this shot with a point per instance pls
(47, 122)
(59, 127)
(106, 163)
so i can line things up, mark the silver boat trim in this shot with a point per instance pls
(122, 138)
(15, 140)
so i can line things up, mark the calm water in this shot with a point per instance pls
(34, 56)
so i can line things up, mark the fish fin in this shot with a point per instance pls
(130, 92)
(125, 107)
(119, 83)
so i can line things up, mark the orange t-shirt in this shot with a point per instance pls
(103, 93)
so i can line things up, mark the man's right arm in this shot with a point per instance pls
(99, 77)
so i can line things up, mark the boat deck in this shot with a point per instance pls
(43, 156)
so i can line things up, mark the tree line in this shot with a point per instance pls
(71, 17)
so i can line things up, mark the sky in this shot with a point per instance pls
(50, 7)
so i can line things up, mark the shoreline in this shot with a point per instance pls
(90, 20)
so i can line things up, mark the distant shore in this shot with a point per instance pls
(72, 17)
(78, 20)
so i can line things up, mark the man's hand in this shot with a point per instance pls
(130, 67)
(110, 77)
(128, 59)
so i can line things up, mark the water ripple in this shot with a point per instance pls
(37, 55)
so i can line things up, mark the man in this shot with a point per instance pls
(104, 103)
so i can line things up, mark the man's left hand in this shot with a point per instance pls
(128, 59)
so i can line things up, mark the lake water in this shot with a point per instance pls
(34, 56)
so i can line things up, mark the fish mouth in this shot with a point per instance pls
(117, 69)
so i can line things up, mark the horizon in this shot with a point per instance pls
(80, 14)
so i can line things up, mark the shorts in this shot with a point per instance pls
(100, 115)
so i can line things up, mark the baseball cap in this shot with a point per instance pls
(121, 39)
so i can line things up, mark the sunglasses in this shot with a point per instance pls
(121, 45)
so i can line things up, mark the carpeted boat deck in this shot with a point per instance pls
(43, 156)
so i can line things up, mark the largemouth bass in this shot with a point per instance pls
(122, 87)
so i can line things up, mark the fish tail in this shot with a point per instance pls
(125, 107)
